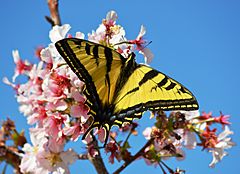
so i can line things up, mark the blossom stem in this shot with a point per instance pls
(165, 165)
(128, 136)
(137, 155)
(164, 172)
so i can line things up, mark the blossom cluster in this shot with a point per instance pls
(51, 97)
(181, 129)
(52, 101)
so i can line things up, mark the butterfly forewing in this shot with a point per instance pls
(98, 66)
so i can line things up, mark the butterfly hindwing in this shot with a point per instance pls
(149, 89)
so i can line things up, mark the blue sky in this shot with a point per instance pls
(195, 42)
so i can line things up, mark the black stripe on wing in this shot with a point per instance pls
(136, 111)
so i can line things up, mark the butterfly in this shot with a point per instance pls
(118, 89)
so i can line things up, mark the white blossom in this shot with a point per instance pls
(224, 142)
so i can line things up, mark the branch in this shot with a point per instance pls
(97, 161)
(10, 157)
(55, 17)
(137, 155)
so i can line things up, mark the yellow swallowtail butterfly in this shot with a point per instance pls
(118, 89)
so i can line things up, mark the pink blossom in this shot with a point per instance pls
(58, 32)
(98, 36)
(79, 35)
(101, 134)
(54, 146)
(113, 148)
(148, 55)
(147, 133)
(38, 116)
(46, 161)
(14, 86)
(53, 124)
(108, 33)
(21, 66)
(46, 56)
(190, 140)
(74, 131)
(46, 155)
(223, 119)
(209, 138)
(111, 18)
(58, 83)
(55, 87)
(140, 43)
(38, 51)
(38, 136)
(61, 139)
(29, 162)
(56, 105)
(206, 116)
(77, 96)
(79, 110)
(88, 138)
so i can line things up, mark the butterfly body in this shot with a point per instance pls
(117, 88)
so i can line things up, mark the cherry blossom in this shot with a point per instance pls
(223, 119)
(223, 142)
(45, 156)
(141, 45)
(113, 148)
(21, 66)
(58, 32)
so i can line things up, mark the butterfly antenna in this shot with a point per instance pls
(146, 45)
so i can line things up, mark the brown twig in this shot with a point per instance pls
(10, 157)
(97, 161)
(137, 155)
(55, 17)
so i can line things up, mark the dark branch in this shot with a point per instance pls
(97, 161)
(7, 154)
(137, 155)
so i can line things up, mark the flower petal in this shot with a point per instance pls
(58, 32)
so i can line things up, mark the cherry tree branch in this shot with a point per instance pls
(54, 18)
(133, 158)
(97, 161)
(8, 155)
